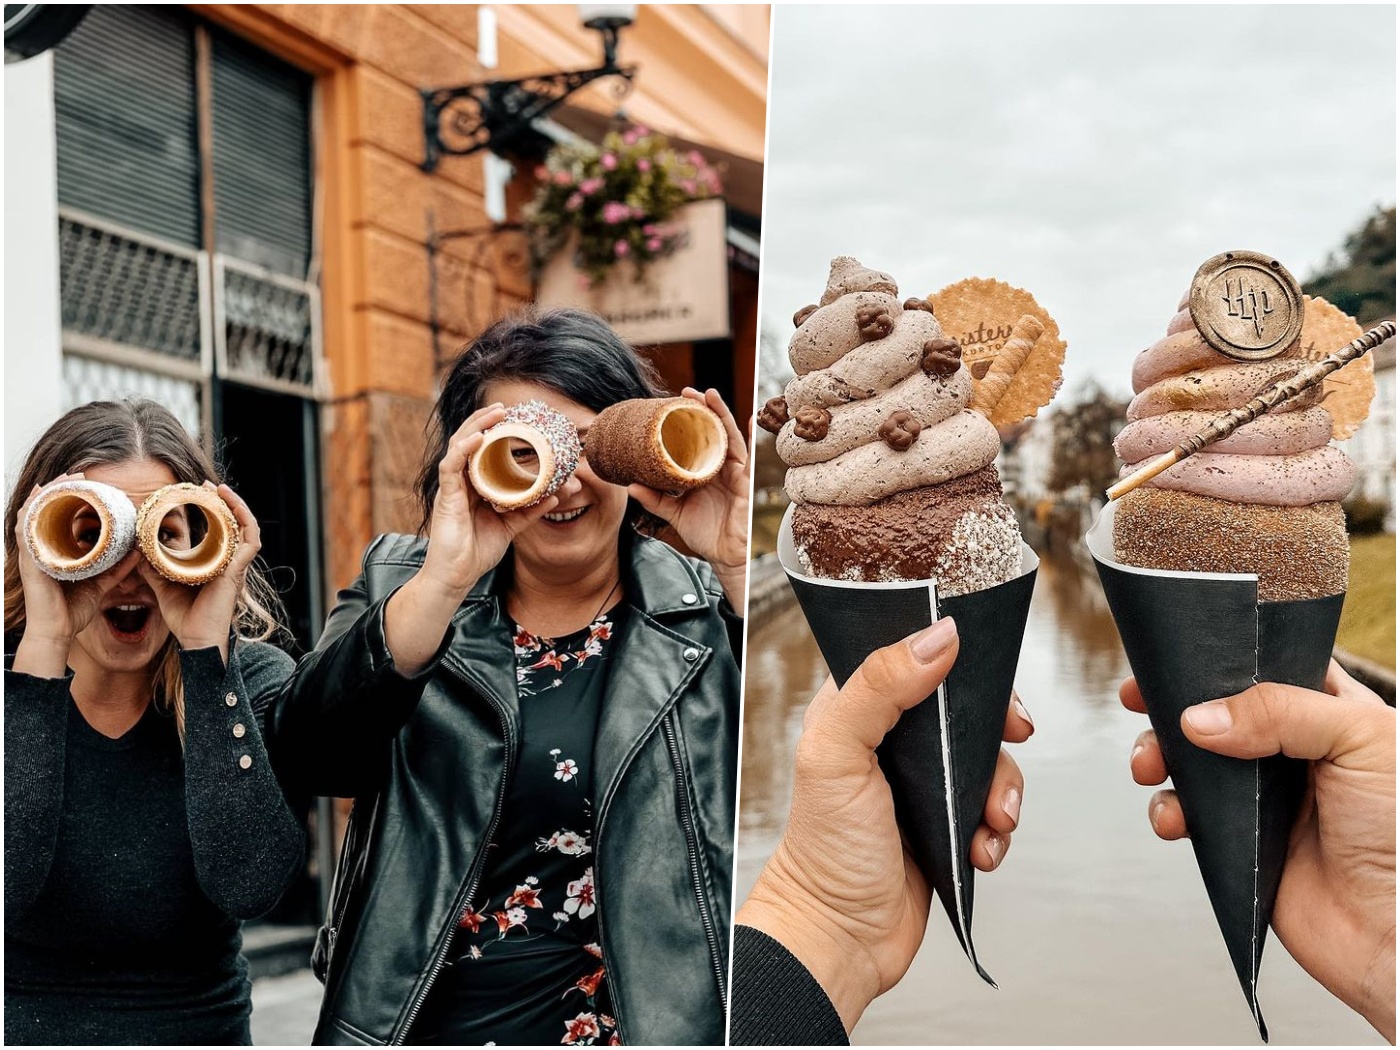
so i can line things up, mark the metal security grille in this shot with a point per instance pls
(124, 288)
(266, 328)
(87, 379)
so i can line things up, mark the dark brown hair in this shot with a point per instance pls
(572, 351)
(105, 432)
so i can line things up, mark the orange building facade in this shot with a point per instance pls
(702, 78)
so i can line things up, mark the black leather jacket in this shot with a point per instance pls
(427, 759)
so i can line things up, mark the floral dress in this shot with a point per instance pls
(528, 967)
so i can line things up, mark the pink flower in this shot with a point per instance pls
(566, 770)
(621, 248)
(629, 137)
(696, 158)
(654, 244)
(608, 161)
(650, 229)
(590, 186)
(689, 186)
(581, 1028)
(575, 201)
(615, 212)
(563, 178)
(541, 172)
(643, 164)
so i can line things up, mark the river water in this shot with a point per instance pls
(1096, 931)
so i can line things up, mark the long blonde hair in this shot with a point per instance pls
(106, 432)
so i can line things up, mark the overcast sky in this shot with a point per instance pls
(1093, 155)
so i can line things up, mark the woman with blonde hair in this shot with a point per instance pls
(142, 817)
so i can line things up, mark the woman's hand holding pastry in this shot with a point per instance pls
(712, 520)
(55, 613)
(467, 538)
(200, 617)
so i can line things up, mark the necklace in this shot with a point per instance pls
(611, 592)
(603, 605)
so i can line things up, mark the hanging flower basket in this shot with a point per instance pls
(615, 203)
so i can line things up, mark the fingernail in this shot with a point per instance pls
(1155, 810)
(1137, 750)
(994, 848)
(1011, 804)
(1021, 710)
(932, 642)
(1209, 719)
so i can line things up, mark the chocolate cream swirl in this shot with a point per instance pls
(1282, 459)
(860, 358)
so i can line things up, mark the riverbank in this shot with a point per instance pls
(1368, 617)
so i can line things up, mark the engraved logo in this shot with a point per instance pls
(1246, 305)
(1247, 302)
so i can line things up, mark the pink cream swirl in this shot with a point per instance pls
(1282, 459)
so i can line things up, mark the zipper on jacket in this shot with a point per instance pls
(439, 960)
(692, 846)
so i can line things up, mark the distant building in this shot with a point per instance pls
(1024, 464)
(1372, 447)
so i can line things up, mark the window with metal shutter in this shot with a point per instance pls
(126, 120)
(262, 158)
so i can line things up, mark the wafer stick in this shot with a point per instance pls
(1227, 424)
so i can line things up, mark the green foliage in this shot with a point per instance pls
(1361, 279)
(618, 198)
(1083, 434)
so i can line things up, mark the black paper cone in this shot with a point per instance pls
(940, 757)
(1192, 637)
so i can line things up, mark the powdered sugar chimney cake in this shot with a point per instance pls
(890, 469)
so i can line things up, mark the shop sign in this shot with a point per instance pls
(681, 298)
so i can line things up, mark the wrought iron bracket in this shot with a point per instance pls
(498, 114)
(483, 237)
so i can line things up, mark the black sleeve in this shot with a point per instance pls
(774, 1001)
(36, 740)
(248, 845)
(331, 727)
(734, 626)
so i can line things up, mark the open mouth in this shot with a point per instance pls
(128, 622)
(564, 517)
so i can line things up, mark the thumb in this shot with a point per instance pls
(1269, 718)
(848, 725)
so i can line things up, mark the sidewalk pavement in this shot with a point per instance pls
(285, 1008)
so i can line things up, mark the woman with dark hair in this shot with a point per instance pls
(536, 713)
(142, 818)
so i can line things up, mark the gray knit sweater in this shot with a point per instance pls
(129, 862)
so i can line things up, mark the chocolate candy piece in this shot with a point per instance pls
(773, 414)
(918, 304)
(942, 357)
(900, 430)
(800, 318)
(812, 423)
(874, 322)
